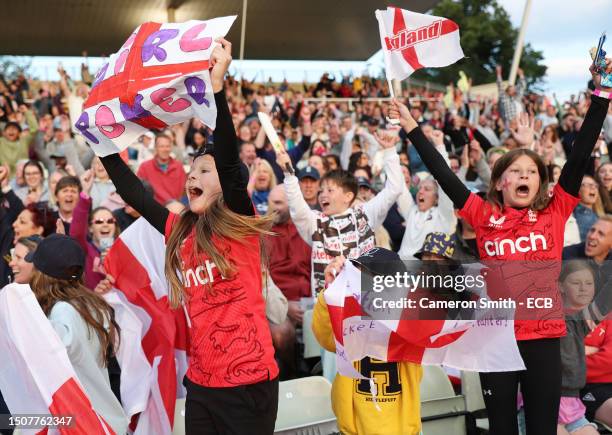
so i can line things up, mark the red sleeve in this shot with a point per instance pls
(80, 221)
(562, 203)
(474, 210)
(172, 219)
(599, 364)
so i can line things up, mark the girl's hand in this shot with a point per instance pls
(399, 111)
(597, 77)
(220, 59)
(333, 269)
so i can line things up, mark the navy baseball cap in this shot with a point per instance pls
(363, 182)
(58, 256)
(309, 172)
(380, 261)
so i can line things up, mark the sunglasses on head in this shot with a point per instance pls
(102, 221)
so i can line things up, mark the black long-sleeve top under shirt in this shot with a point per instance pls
(571, 174)
(233, 176)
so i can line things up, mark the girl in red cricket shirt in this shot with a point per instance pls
(213, 265)
(518, 222)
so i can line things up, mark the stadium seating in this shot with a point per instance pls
(442, 412)
(474, 402)
(304, 407)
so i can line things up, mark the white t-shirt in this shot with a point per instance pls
(83, 347)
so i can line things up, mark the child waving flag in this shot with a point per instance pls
(518, 221)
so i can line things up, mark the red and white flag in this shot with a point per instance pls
(484, 346)
(411, 41)
(136, 261)
(36, 376)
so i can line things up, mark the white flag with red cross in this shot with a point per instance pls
(411, 41)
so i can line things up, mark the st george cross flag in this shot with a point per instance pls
(158, 78)
(136, 261)
(411, 41)
(36, 376)
(484, 346)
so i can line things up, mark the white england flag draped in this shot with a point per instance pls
(136, 261)
(158, 78)
(36, 376)
(411, 41)
(485, 346)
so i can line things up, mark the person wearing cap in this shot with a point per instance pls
(309, 185)
(14, 143)
(398, 398)
(165, 173)
(60, 152)
(82, 319)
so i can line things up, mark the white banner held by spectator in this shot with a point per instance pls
(158, 78)
(412, 41)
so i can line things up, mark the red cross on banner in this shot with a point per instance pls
(159, 77)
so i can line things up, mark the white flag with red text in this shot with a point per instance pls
(484, 346)
(36, 376)
(136, 261)
(411, 41)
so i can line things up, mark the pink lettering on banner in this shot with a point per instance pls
(82, 125)
(121, 61)
(190, 42)
(152, 45)
(163, 98)
(196, 88)
(100, 75)
(105, 121)
(124, 54)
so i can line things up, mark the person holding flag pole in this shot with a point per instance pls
(517, 206)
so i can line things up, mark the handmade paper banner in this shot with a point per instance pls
(159, 77)
(411, 41)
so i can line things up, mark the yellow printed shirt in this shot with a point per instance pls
(397, 390)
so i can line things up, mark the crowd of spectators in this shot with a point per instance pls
(52, 182)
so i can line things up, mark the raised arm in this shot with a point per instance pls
(131, 190)
(233, 175)
(434, 161)
(578, 160)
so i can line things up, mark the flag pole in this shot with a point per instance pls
(518, 50)
(389, 81)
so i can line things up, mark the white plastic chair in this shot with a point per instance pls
(311, 345)
(304, 407)
(179, 417)
(474, 401)
(442, 412)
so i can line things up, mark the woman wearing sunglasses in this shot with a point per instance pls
(95, 232)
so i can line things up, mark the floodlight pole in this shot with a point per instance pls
(243, 28)
(171, 14)
(518, 50)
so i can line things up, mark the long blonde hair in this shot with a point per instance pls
(218, 221)
(94, 310)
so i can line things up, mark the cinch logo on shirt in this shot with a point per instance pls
(193, 277)
(509, 246)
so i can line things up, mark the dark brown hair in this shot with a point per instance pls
(343, 179)
(93, 309)
(495, 197)
(68, 181)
